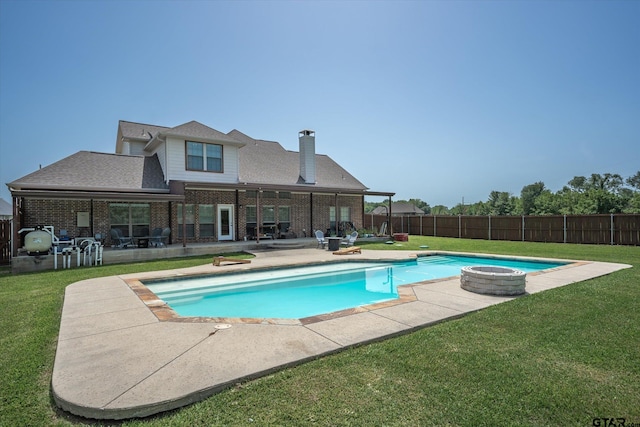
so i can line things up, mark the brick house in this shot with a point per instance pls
(207, 186)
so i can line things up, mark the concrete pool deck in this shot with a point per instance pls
(117, 358)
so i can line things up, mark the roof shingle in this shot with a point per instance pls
(260, 162)
(87, 170)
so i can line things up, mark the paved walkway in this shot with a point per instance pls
(116, 359)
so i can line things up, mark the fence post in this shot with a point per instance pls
(459, 226)
(523, 228)
(421, 225)
(489, 227)
(564, 229)
(434, 226)
(613, 231)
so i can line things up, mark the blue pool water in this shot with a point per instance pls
(293, 293)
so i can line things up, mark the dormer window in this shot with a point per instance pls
(204, 157)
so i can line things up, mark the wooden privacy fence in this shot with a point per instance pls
(613, 229)
(5, 242)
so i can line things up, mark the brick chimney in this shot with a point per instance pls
(307, 140)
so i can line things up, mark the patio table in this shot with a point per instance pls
(141, 241)
(334, 243)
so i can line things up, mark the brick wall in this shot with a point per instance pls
(322, 203)
(62, 214)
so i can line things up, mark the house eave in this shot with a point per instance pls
(96, 195)
(276, 187)
(229, 141)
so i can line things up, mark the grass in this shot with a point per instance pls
(561, 357)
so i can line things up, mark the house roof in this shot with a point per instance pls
(267, 162)
(141, 131)
(91, 171)
(5, 208)
(262, 164)
(199, 131)
(399, 208)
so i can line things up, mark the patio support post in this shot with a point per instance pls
(236, 219)
(389, 218)
(311, 231)
(16, 225)
(258, 216)
(184, 224)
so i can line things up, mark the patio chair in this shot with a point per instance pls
(155, 236)
(320, 237)
(91, 251)
(160, 237)
(351, 239)
(119, 240)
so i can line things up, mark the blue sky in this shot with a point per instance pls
(436, 100)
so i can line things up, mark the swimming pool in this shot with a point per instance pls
(294, 293)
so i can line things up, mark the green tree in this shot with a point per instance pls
(633, 204)
(440, 210)
(634, 181)
(528, 196)
(603, 201)
(607, 182)
(578, 183)
(546, 203)
(567, 200)
(501, 203)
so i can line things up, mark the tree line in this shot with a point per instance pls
(596, 194)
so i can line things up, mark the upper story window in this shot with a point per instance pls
(204, 157)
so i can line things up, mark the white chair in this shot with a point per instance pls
(92, 253)
(321, 240)
(351, 239)
(98, 247)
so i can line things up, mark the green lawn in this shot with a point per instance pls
(561, 357)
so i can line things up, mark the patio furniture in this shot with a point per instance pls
(160, 237)
(63, 241)
(334, 243)
(64, 236)
(321, 240)
(119, 240)
(141, 241)
(351, 239)
(92, 251)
